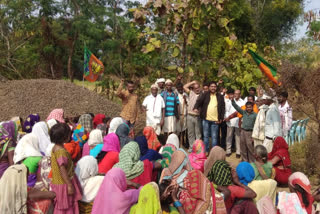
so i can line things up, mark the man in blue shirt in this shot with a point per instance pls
(172, 110)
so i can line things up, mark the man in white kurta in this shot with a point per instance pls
(285, 113)
(273, 127)
(155, 109)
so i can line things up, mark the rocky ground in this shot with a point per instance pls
(23, 97)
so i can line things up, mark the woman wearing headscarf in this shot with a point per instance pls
(30, 121)
(98, 119)
(145, 152)
(172, 140)
(113, 194)
(109, 154)
(300, 199)
(57, 114)
(8, 137)
(167, 152)
(41, 130)
(27, 152)
(198, 156)
(51, 123)
(228, 183)
(150, 134)
(196, 191)
(73, 149)
(95, 142)
(216, 153)
(15, 197)
(149, 200)
(87, 173)
(123, 134)
(280, 159)
(86, 122)
(262, 188)
(136, 170)
(114, 124)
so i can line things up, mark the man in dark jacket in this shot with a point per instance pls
(211, 106)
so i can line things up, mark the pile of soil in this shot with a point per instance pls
(24, 97)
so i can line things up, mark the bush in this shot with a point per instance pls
(305, 158)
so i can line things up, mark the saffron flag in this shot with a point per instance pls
(93, 67)
(265, 67)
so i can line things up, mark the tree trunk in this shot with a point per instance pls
(71, 51)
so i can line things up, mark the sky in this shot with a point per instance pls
(302, 28)
(308, 5)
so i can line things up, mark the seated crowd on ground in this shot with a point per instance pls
(177, 164)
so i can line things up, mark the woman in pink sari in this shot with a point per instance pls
(198, 155)
(113, 195)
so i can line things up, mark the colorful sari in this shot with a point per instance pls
(114, 184)
(167, 152)
(149, 201)
(216, 153)
(198, 156)
(150, 134)
(74, 150)
(281, 149)
(30, 121)
(79, 135)
(172, 140)
(196, 190)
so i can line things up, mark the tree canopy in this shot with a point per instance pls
(200, 39)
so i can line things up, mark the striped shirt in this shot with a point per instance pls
(169, 110)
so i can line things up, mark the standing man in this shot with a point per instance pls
(161, 86)
(273, 123)
(211, 106)
(172, 110)
(129, 99)
(285, 113)
(205, 87)
(193, 119)
(154, 106)
(248, 120)
(258, 133)
(233, 127)
(183, 105)
(252, 92)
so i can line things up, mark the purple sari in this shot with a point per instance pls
(30, 121)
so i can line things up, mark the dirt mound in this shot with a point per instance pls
(23, 97)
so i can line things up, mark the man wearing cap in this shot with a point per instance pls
(172, 110)
(273, 123)
(161, 87)
(193, 119)
(154, 106)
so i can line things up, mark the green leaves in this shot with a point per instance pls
(176, 52)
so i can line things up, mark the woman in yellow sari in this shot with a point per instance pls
(149, 201)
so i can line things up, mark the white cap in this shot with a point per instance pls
(168, 81)
(160, 80)
(265, 97)
(154, 86)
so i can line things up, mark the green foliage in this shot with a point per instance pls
(199, 39)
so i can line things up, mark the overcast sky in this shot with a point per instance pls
(301, 29)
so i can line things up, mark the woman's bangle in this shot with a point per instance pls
(177, 204)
